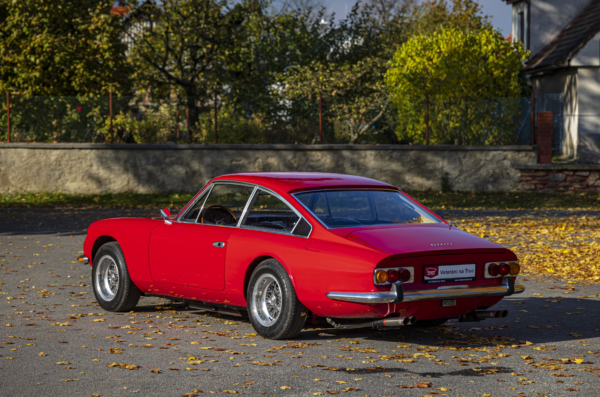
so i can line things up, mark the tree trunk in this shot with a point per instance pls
(194, 115)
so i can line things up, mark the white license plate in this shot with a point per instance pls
(448, 273)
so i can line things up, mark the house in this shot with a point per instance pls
(564, 39)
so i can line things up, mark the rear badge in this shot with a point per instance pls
(448, 302)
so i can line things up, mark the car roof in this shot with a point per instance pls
(298, 181)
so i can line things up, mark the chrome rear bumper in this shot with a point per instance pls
(397, 295)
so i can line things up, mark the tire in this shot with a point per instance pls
(431, 323)
(112, 285)
(271, 291)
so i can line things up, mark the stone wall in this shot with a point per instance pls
(98, 168)
(552, 178)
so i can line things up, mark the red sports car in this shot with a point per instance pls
(287, 247)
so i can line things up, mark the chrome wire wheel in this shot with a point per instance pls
(266, 300)
(107, 278)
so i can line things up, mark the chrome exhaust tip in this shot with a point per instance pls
(483, 314)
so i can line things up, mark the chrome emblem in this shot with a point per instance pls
(436, 244)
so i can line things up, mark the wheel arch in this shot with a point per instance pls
(254, 264)
(100, 241)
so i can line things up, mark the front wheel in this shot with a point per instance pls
(273, 307)
(113, 287)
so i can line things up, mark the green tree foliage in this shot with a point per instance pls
(460, 77)
(194, 47)
(432, 15)
(343, 65)
(61, 48)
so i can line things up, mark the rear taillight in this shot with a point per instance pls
(393, 275)
(501, 269)
(494, 270)
(405, 275)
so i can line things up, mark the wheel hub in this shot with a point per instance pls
(266, 300)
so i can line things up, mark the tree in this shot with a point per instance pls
(433, 15)
(470, 82)
(342, 64)
(193, 47)
(61, 48)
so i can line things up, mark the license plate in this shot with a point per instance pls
(449, 273)
(448, 302)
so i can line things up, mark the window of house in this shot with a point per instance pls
(520, 25)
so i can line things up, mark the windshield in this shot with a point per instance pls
(348, 208)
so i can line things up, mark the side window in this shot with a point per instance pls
(192, 215)
(225, 204)
(270, 213)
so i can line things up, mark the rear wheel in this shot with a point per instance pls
(431, 323)
(273, 307)
(113, 287)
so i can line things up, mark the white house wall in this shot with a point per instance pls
(588, 145)
(589, 55)
(548, 18)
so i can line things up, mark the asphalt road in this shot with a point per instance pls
(56, 341)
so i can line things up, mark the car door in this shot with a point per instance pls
(191, 251)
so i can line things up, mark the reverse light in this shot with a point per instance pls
(393, 275)
(504, 269)
(405, 275)
(515, 268)
(381, 277)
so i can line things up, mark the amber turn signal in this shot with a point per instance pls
(381, 276)
(515, 268)
(80, 259)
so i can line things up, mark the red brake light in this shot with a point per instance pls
(404, 275)
(504, 269)
(393, 275)
(494, 270)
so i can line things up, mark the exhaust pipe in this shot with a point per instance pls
(483, 314)
(479, 315)
(395, 322)
(388, 322)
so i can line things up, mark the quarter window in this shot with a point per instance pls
(271, 213)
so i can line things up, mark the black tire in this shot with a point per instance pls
(291, 315)
(431, 323)
(110, 261)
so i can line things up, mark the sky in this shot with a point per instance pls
(497, 9)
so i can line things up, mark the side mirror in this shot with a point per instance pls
(166, 213)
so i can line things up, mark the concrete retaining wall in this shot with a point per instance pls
(97, 168)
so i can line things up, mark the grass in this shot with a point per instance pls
(433, 200)
(105, 200)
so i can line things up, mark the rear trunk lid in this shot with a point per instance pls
(419, 239)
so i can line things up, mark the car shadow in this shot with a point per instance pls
(538, 320)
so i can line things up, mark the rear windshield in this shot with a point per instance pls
(348, 208)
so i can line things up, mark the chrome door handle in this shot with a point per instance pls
(219, 244)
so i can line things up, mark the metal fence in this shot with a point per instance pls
(464, 121)
(579, 137)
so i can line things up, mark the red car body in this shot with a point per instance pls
(329, 269)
